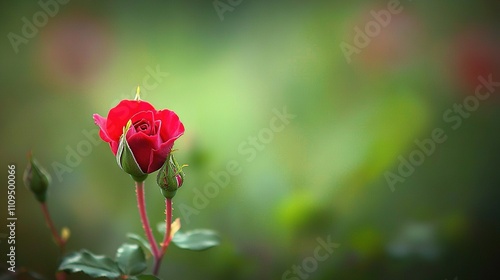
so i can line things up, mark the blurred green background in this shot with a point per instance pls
(324, 175)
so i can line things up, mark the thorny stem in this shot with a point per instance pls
(141, 203)
(167, 238)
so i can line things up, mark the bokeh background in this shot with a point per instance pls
(323, 176)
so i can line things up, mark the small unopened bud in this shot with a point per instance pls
(36, 179)
(170, 177)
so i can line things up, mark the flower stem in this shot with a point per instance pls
(59, 241)
(166, 238)
(60, 275)
(168, 225)
(141, 203)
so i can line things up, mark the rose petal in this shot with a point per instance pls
(142, 146)
(122, 113)
(148, 116)
(172, 127)
(157, 126)
(114, 147)
(159, 156)
(101, 123)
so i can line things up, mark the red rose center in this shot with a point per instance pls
(144, 126)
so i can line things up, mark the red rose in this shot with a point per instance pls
(150, 137)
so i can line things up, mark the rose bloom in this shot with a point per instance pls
(150, 137)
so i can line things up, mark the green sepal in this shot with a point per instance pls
(167, 177)
(126, 159)
(168, 194)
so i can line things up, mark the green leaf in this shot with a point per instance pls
(131, 259)
(141, 241)
(90, 264)
(145, 277)
(196, 240)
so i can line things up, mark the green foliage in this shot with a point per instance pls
(196, 240)
(90, 264)
(143, 242)
(130, 261)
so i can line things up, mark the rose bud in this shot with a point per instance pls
(149, 139)
(36, 179)
(170, 177)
